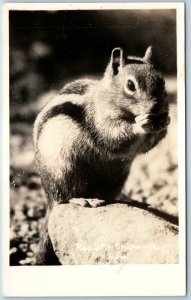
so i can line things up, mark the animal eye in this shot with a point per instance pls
(130, 85)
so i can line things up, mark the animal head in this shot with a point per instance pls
(138, 85)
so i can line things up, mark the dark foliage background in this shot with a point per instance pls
(50, 48)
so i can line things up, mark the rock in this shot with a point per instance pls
(112, 234)
(13, 250)
(26, 261)
(24, 229)
(16, 256)
(30, 254)
(24, 247)
(31, 212)
(34, 247)
(19, 215)
(36, 212)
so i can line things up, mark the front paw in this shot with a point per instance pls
(142, 124)
(87, 202)
(149, 123)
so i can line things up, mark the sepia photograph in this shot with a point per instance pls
(94, 122)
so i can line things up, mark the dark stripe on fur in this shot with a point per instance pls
(135, 61)
(78, 114)
(75, 112)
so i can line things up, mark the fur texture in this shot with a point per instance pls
(87, 137)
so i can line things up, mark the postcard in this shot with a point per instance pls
(94, 149)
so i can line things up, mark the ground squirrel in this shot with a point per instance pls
(88, 135)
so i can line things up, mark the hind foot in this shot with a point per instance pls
(87, 202)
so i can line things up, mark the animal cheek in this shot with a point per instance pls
(146, 106)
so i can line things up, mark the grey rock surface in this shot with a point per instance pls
(113, 234)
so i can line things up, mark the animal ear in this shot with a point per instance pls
(148, 54)
(117, 60)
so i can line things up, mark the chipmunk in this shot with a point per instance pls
(88, 135)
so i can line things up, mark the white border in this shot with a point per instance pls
(90, 6)
(103, 280)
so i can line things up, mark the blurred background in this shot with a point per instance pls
(51, 48)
